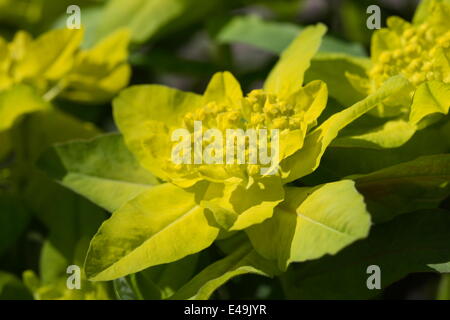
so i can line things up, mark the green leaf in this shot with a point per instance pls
(402, 246)
(41, 129)
(430, 98)
(161, 282)
(243, 260)
(149, 230)
(441, 267)
(307, 159)
(255, 31)
(124, 289)
(53, 272)
(11, 288)
(144, 123)
(391, 134)
(146, 18)
(52, 262)
(67, 245)
(70, 217)
(312, 222)
(341, 162)
(287, 75)
(332, 69)
(419, 184)
(232, 211)
(101, 169)
(331, 44)
(16, 102)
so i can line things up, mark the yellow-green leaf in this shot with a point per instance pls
(307, 159)
(432, 97)
(146, 18)
(332, 69)
(232, 211)
(138, 112)
(50, 56)
(287, 75)
(244, 260)
(391, 134)
(161, 225)
(16, 102)
(312, 222)
(224, 88)
(99, 73)
(101, 169)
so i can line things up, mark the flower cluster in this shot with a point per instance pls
(55, 65)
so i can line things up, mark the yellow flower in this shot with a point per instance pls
(414, 51)
(199, 201)
(418, 51)
(54, 65)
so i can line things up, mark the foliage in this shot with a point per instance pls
(87, 176)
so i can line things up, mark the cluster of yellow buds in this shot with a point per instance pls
(259, 111)
(253, 113)
(214, 116)
(268, 111)
(417, 56)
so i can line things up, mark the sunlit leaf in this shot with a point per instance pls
(430, 98)
(16, 102)
(312, 222)
(402, 246)
(243, 260)
(102, 170)
(149, 230)
(288, 74)
(307, 159)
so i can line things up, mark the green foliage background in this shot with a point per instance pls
(59, 145)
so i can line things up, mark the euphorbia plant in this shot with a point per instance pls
(192, 205)
(418, 51)
(34, 73)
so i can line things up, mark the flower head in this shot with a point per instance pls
(159, 122)
(202, 199)
(54, 64)
(418, 51)
(219, 113)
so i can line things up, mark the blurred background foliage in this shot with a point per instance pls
(179, 43)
